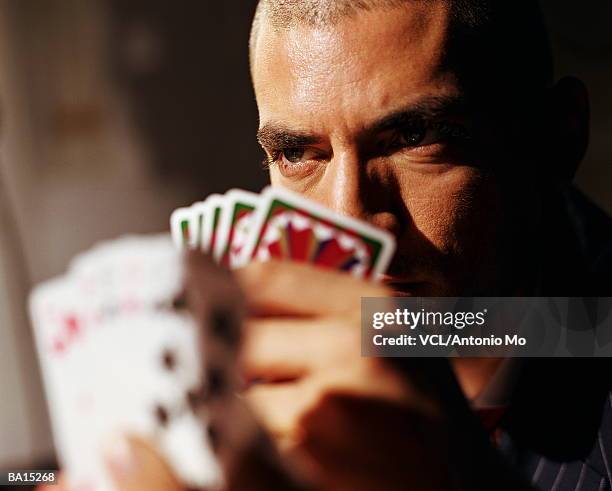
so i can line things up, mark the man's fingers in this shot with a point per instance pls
(278, 349)
(279, 406)
(135, 465)
(347, 433)
(278, 287)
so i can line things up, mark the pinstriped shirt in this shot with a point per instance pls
(591, 471)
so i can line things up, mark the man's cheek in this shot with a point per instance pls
(434, 211)
(431, 220)
(456, 213)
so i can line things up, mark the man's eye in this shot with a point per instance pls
(298, 156)
(413, 135)
(296, 161)
(293, 155)
(420, 134)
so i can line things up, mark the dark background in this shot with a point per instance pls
(582, 43)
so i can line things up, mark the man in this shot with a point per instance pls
(438, 121)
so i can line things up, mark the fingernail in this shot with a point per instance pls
(119, 456)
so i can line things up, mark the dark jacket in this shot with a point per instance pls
(558, 430)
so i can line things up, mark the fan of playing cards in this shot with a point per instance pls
(119, 355)
(242, 226)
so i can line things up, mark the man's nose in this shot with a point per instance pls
(354, 188)
(344, 185)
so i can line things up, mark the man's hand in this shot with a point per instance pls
(326, 404)
(304, 341)
(351, 422)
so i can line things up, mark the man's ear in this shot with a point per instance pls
(568, 123)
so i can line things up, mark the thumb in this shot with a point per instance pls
(135, 465)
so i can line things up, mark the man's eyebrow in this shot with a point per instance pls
(428, 109)
(274, 136)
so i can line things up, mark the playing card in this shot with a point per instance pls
(195, 224)
(216, 206)
(287, 225)
(58, 320)
(180, 225)
(199, 216)
(235, 222)
(118, 357)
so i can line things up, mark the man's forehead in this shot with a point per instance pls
(388, 56)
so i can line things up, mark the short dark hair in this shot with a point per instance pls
(492, 32)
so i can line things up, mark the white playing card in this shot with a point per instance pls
(180, 223)
(210, 235)
(218, 226)
(199, 216)
(116, 357)
(234, 226)
(128, 268)
(57, 318)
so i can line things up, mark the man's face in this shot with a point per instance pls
(366, 118)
